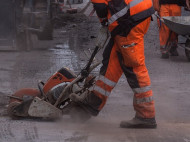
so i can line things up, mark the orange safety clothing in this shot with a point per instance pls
(128, 21)
(126, 55)
(121, 12)
(164, 31)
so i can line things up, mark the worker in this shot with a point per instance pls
(128, 22)
(168, 39)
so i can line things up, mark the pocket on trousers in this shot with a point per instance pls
(131, 55)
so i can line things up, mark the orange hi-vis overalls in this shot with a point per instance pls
(164, 31)
(128, 23)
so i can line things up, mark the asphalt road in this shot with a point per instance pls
(170, 83)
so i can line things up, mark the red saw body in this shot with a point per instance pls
(60, 78)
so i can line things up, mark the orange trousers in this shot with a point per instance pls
(126, 55)
(164, 31)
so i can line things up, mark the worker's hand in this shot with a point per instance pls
(102, 37)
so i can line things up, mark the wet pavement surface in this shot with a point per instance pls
(170, 83)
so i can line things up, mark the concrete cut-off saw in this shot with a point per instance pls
(51, 99)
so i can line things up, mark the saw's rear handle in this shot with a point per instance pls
(83, 74)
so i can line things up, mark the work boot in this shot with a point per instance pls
(137, 122)
(88, 101)
(173, 51)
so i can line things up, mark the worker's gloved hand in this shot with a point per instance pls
(102, 37)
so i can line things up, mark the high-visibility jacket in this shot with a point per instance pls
(118, 12)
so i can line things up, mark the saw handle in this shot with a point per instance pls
(85, 72)
(40, 87)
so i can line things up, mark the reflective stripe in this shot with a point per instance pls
(134, 2)
(123, 11)
(129, 45)
(102, 91)
(143, 100)
(141, 90)
(118, 15)
(106, 81)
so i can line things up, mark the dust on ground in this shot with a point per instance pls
(170, 83)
